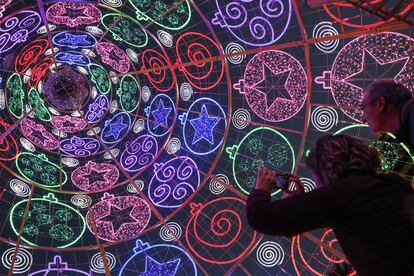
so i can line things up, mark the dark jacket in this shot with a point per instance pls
(368, 214)
(405, 133)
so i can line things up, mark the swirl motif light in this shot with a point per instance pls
(131, 130)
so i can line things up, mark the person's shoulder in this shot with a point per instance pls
(365, 182)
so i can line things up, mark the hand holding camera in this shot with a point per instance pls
(267, 180)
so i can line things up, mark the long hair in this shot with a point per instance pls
(336, 155)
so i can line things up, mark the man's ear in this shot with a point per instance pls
(381, 103)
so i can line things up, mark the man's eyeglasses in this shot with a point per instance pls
(361, 107)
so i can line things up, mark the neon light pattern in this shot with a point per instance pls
(79, 146)
(37, 103)
(113, 56)
(274, 85)
(217, 233)
(161, 115)
(321, 257)
(37, 134)
(173, 182)
(139, 153)
(118, 218)
(100, 77)
(115, 128)
(73, 14)
(3, 5)
(17, 29)
(72, 58)
(156, 68)
(158, 259)
(55, 222)
(125, 29)
(274, 152)
(97, 263)
(128, 93)
(15, 95)
(21, 263)
(204, 125)
(8, 145)
(30, 55)
(173, 16)
(74, 40)
(97, 109)
(95, 176)
(256, 23)
(38, 169)
(349, 76)
(68, 123)
(59, 267)
(39, 71)
(195, 49)
(270, 254)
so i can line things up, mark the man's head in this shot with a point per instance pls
(336, 155)
(382, 104)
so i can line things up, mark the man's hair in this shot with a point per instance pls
(334, 156)
(394, 93)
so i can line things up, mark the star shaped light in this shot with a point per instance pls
(204, 126)
(152, 267)
(273, 86)
(161, 114)
(116, 128)
(372, 69)
(119, 217)
(74, 40)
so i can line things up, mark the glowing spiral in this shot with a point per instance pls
(139, 125)
(81, 201)
(173, 145)
(270, 254)
(97, 264)
(27, 144)
(94, 131)
(324, 29)
(43, 30)
(146, 93)
(70, 162)
(132, 55)
(170, 231)
(112, 3)
(186, 91)
(19, 187)
(165, 38)
(2, 99)
(215, 185)
(59, 133)
(53, 111)
(308, 184)
(324, 118)
(234, 48)
(22, 263)
(94, 30)
(241, 118)
(114, 77)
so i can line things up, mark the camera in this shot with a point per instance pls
(282, 181)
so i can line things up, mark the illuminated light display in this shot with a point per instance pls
(173, 182)
(95, 177)
(274, 85)
(73, 40)
(118, 218)
(55, 222)
(16, 29)
(73, 14)
(113, 56)
(154, 65)
(256, 23)
(194, 49)
(125, 29)
(172, 15)
(222, 228)
(58, 266)
(147, 120)
(156, 259)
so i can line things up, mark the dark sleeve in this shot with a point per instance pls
(297, 214)
(411, 127)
